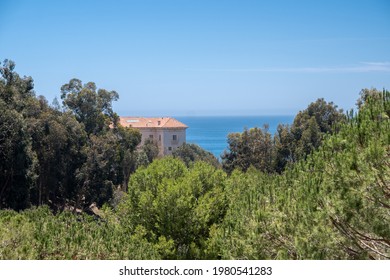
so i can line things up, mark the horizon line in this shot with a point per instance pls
(363, 67)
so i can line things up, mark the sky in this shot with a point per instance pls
(197, 57)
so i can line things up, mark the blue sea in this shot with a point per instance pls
(211, 132)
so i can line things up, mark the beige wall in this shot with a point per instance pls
(169, 142)
(164, 138)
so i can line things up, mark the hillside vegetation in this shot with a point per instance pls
(333, 205)
(323, 194)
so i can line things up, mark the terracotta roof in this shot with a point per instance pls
(142, 122)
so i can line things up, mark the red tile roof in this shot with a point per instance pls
(141, 122)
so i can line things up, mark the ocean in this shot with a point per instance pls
(211, 133)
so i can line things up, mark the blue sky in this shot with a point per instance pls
(182, 57)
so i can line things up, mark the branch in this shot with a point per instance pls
(374, 250)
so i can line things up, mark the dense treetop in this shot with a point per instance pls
(63, 157)
(258, 148)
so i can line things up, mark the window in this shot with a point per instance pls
(151, 137)
(169, 148)
(159, 138)
(174, 137)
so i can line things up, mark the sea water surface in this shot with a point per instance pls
(211, 132)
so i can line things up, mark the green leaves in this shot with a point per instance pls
(176, 203)
(16, 160)
(91, 107)
(256, 147)
(190, 153)
(38, 234)
(332, 205)
(319, 189)
(252, 147)
(48, 156)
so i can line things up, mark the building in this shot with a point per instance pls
(167, 132)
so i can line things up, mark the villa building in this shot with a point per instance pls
(168, 133)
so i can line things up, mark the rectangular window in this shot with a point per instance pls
(159, 138)
(174, 138)
(150, 136)
(169, 148)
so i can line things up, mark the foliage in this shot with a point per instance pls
(333, 205)
(38, 234)
(91, 106)
(311, 124)
(252, 147)
(16, 162)
(190, 153)
(60, 158)
(256, 147)
(129, 139)
(319, 189)
(150, 150)
(57, 142)
(176, 203)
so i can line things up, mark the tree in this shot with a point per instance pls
(59, 158)
(17, 160)
(91, 107)
(109, 151)
(331, 204)
(190, 153)
(175, 203)
(252, 147)
(128, 140)
(57, 140)
(14, 90)
(283, 150)
(312, 124)
(256, 147)
(150, 149)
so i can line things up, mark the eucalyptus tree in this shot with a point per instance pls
(252, 147)
(312, 124)
(109, 148)
(91, 106)
(190, 153)
(17, 160)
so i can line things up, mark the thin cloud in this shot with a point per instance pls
(363, 67)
